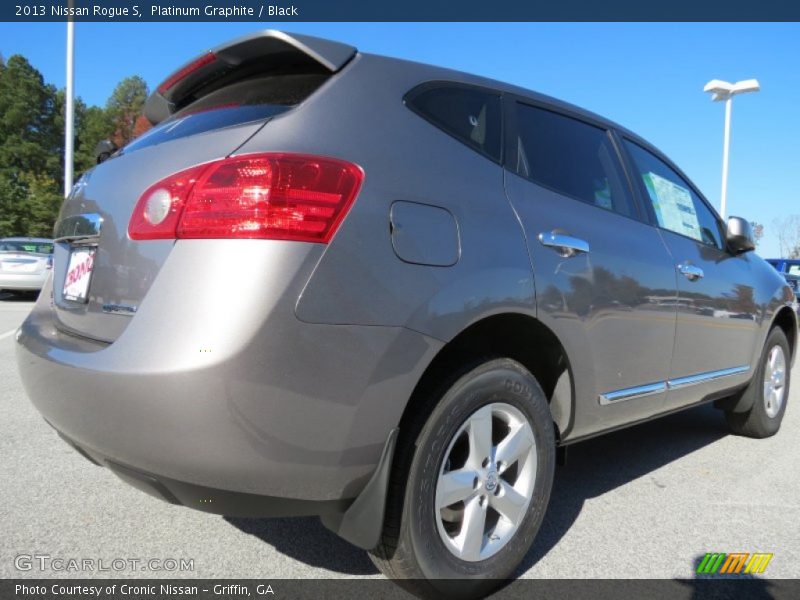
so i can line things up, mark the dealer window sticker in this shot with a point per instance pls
(673, 206)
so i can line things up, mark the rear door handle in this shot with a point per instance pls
(691, 272)
(566, 245)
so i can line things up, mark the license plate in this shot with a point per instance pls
(79, 273)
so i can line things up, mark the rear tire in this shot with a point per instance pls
(434, 541)
(769, 390)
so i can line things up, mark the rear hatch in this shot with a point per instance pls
(204, 111)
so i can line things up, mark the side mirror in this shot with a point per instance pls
(739, 236)
(104, 150)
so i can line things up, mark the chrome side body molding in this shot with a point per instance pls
(703, 377)
(649, 389)
(635, 392)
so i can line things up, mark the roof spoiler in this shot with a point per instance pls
(263, 52)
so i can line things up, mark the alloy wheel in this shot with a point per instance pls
(774, 381)
(486, 482)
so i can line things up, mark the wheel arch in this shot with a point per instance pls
(513, 335)
(742, 400)
(786, 319)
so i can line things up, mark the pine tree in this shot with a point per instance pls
(32, 142)
(125, 107)
(30, 176)
(93, 125)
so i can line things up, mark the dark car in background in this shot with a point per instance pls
(338, 284)
(25, 263)
(790, 269)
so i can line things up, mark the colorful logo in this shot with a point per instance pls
(733, 563)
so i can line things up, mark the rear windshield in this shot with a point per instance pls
(24, 246)
(255, 99)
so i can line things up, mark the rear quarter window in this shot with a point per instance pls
(471, 115)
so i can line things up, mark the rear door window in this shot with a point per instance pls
(571, 157)
(471, 115)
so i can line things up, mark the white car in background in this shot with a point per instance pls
(25, 263)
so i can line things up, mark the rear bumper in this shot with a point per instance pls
(23, 282)
(359, 521)
(206, 499)
(252, 402)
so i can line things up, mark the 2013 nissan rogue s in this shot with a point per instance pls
(337, 284)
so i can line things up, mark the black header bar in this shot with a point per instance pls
(280, 11)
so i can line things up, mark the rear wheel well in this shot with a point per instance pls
(512, 335)
(787, 322)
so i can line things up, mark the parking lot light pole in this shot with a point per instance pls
(722, 90)
(69, 109)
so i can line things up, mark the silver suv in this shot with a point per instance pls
(330, 283)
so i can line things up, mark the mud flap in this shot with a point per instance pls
(362, 523)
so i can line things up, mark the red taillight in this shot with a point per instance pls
(193, 66)
(159, 209)
(268, 196)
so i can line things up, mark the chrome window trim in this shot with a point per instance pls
(649, 389)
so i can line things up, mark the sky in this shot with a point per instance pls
(648, 77)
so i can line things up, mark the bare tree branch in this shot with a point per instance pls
(788, 231)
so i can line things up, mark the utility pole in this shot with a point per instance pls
(69, 112)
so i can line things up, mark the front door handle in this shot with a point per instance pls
(691, 272)
(566, 245)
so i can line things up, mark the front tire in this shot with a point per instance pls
(471, 481)
(769, 390)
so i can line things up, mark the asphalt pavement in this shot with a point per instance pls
(646, 502)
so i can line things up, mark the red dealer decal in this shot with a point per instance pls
(80, 270)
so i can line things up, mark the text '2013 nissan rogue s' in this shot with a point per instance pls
(331, 283)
